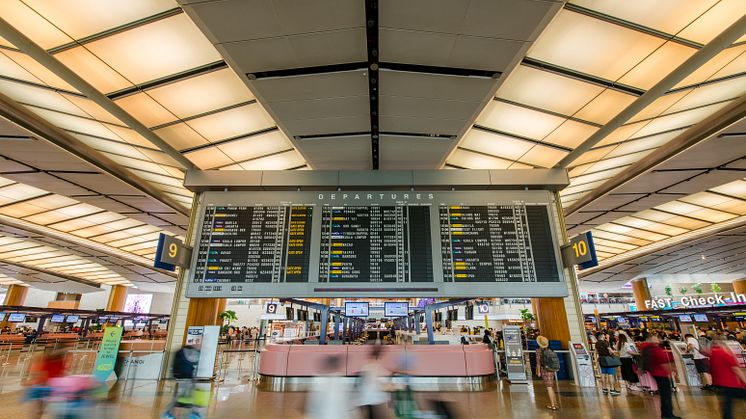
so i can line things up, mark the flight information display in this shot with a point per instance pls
(375, 244)
(497, 243)
(397, 244)
(247, 244)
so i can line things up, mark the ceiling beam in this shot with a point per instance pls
(38, 230)
(710, 126)
(649, 249)
(709, 51)
(39, 127)
(52, 273)
(39, 54)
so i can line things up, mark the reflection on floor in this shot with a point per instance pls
(235, 399)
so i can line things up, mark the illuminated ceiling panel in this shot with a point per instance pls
(591, 46)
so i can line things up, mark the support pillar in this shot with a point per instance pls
(739, 286)
(222, 302)
(201, 312)
(16, 295)
(117, 298)
(551, 319)
(641, 292)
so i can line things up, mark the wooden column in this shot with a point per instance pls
(201, 312)
(16, 295)
(739, 286)
(551, 319)
(117, 298)
(641, 291)
(221, 308)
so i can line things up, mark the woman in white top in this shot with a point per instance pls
(627, 350)
(373, 395)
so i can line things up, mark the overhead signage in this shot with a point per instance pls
(107, 354)
(383, 244)
(580, 251)
(171, 253)
(483, 308)
(272, 311)
(714, 300)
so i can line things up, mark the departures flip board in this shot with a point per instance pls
(376, 244)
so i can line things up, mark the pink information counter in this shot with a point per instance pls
(427, 362)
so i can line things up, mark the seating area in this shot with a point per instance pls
(416, 360)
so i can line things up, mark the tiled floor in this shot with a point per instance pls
(243, 400)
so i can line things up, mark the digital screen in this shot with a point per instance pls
(356, 309)
(655, 319)
(138, 303)
(57, 318)
(2, 316)
(72, 319)
(102, 319)
(249, 244)
(579, 349)
(375, 244)
(497, 243)
(685, 318)
(396, 309)
(17, 318)
(621, 320)
(700, 318)
(128, 323)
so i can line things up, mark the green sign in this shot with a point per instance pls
(107, 353)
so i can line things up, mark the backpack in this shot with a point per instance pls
(549, 360)
(182, 368)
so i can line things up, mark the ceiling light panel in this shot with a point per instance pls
(547, 91)
(168, 46)
(605, 106)
(471, 160)
(720, 16)
(32, 70)
(93, 69)
(592, 46)
(35, 26)
(725, 62)
(669, 16)
(283, 161)
(736, 188)
(519, 121)
(81, 18)
(18, 192)
(196, 95)
(657, 65)
(506, 147)
(146, 109)
(232, 123)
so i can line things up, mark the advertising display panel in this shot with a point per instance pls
(395, 309)
(376, 244)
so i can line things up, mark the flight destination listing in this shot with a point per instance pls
(375, 244)
(497, 243)
(245, 244)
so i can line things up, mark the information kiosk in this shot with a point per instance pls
(515, 363)
(582, 365)
(685, 368)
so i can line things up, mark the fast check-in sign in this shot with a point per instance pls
(107, 354)
(580, 251)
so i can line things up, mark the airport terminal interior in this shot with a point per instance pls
(372, 209)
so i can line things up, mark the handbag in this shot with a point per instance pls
(609, 361)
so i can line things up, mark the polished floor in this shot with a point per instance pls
(141, 399)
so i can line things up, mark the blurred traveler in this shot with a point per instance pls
(627, 350)
(464, 341)
(46, 368)
(184, 366)
(547, 364)
(608, 363)
(727, 376)
(658, 363)
(372, 394)
(329, 396)
(698, 348)
(487, 338)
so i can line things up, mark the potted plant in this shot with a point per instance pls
(697, 288)
(683, 290)
(228, 316)
(527, 316)
(669, 290)
(715, 287)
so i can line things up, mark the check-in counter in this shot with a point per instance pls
(142, 345)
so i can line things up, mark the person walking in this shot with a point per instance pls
(184, 366)
(658, 363)
(608, 363)
(547, 364)
(372, 395)
(698, 348)
(626, 350)
(727, 376)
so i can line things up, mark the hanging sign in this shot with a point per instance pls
(580, 251)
